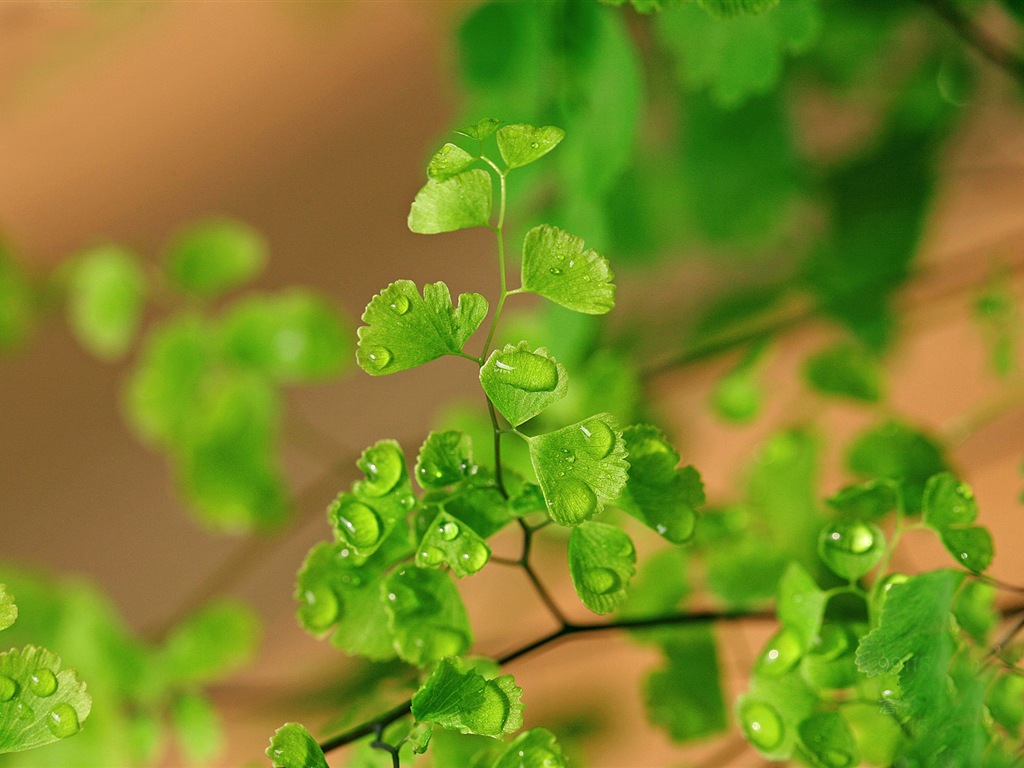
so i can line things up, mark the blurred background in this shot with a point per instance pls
(853, 178)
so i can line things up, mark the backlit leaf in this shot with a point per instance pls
(602, 560)
(213, 256)
(556, 266)
(827, 738)
(426, 615)
(405, 330)
(448, 161)
(522, 144)
(950, 508)
(801, 604)
(975, 610)
(8, 610)
(481, 129)
(729, 8)
(39, 702)
(453, 543)
(291, 336)
(292, 746)
(214, 642)
(580, 467)
(770, 713)
(535, 748)
(106, 294)
(867, 501)
(445, 458)
(458, 202)
(845, 370)
(894, 451)
(522, 383)
(658, 494)
(463, 700)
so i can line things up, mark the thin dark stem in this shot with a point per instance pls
(1000, 584)
(977, 38)
(542, 592)
(498, 477)
(569, 630)
(379, 743)
(1015, 630)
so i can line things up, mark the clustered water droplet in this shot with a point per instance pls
(762, 725)
(43, 683)
(63, 720)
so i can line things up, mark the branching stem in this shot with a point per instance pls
(977, 38)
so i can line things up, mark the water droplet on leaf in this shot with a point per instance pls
(762, 725)
(449, 531)
(379, 357)
(43, 683)
(24, 711)
(400, 304)
(574, 502)
(8, 688)
(430, 556)
(383, 466)
(63, 721)
(556, 271)
(851, 548)
(359, 524)
(599, 438)
(320, 609)
(601, 581)
(781, 653)
(475, 557)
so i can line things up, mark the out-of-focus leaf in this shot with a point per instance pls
(213, 256)
(214, 642)
(106, 292)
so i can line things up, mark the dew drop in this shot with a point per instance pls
(63, 721)
(574, 502)
(601, 581)
(359, 524)
(528, 371)
(384, 468)
(24, 711)
(599, 438)
(43, 683)
(781, 653)
(836, 759)
(379, 357)
(430, 556)
(556, 271)
(449, 531)
(475, 557)
(762, 725)
(851, 548)
(320, 608)
(534, 145)
(571, 458)
(400, 304)
(831, 643)
(8, 688)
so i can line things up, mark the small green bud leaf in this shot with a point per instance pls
(405, 330)
(449, 541)
(975, 610)
(556, 266)
(8, 610)
(851, 548)
(826, 737)
(461, 699)
(894, 451)
(426, 616)
(801, 604)
(481, 129)
(39, 702)
(106, 294)
(449, 161)
(770, 713)
(459, 202)
(220, 638)
(950, 508)
(845, 370)
(292, 746)
(291, 336)
(657, 494)
(198, 727)
(867, 501)
(214, 256)
(1005, 701)
(580, 467)
(685, 695)
(535, 748)
(522, 383)
(521, 144)
(445, 458)
(602, 560)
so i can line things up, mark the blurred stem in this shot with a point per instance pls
(977, 38)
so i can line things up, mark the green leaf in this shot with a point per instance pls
(39, 702)
(746, 573)
(950, 508)
(738, 396)
(106, 295)
(364, 517)
(535, 748)
(975, 610)
(448, 161)
(851, 548)
(8, 610)
(867, 501)
(522, 144)
(459, 202)
(483, 509)
(580, 467)
(522, 383)
(448, 541)
(845, 370)
(770, 713)
(739, 56)
(660, 585)
(728, 8)
(17, 301)
(291, 336)
(461, 699)
(405, 330)
(801, 604)
(219, 639)
(658, 494)
(198, 727)
(685, 695)
(826, 737)
(168, 381)
(213, 256)
(556, 266)
(481, 129)
(445, 458)
(894, 451)
(915, 625)
(426, 615)
(292, 746)
(1005, 701)
(602, 560)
